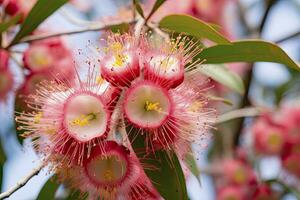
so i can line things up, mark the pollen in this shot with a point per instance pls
(195, 106)
(120, 60)
(99, 80)
(114, 47)
(37, 118)
(150, 106)
(83, 120)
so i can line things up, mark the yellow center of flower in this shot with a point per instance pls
(240, 176)
(152, 106)
(107, 169)
(120, 60)
(274, 140)
(41, 60)
(83, 120)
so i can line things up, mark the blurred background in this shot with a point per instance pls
(239, 19)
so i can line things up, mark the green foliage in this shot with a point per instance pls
(247, 51)
(138, 8)
(166, 173)
(223, 75)
(156, 6)
(40, 12)
(192, 165)
(192, 26)
(49, 189)
(120, 28)
(12, 21)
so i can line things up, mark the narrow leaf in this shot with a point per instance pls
(155, 7)
(166, 173)
(40, 12)
(12, 21)
(247, 51)
(220, 99)
(192, 26)
(221, 74)
(138, 8)
(192, 166)
(49, 189)
(120, 28)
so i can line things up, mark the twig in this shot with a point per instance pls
(293, 35)
(269, 5)
(89, 29)
(248, 79)
(22, 182)
(244, 112)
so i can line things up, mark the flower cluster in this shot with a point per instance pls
(279, 134)
(147, 88)
(44, 60)
(237, 180)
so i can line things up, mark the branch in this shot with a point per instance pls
(244, 112)
(89, 29)
(22, 182)
(293, 35)
(269, 5)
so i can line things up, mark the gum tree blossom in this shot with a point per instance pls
(269, 138)
(49, 56)
(111, 173)
(154, 89)
(72, 118)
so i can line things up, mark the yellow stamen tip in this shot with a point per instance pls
(83, 120)
(37, 117)
(150, 106)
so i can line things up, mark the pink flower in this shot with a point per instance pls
(110, 173)
(230, 193)
(237, 173)
(71, 118)
(268, 138)
(6, 83)
(4, 57)
(14, 7)
(6, 76)
(120, 63)
(50, 56)
(166, 63)
(264, 192)
(291, 163)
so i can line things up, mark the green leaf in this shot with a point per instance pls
(247, 51)
(192, 166)
(12, 21)
(192, 26)
(138, 8)
(166, 173)
(220, 99)
(77, 195)
(40, 12)
(156, 6)
(120, 28)
(49, 189)
(221, 74)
